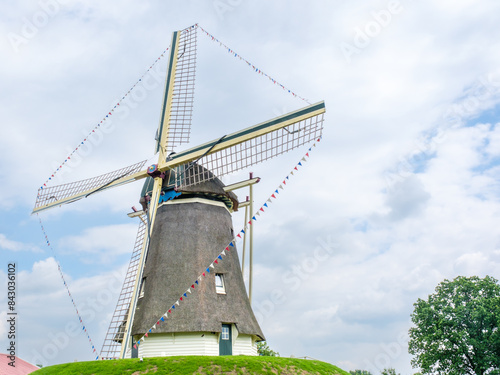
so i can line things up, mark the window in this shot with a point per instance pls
(225, 332)
(141, 293)
(219, 283)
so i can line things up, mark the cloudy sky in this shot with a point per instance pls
(402, 192)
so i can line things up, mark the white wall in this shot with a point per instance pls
(192, 343)
(244, 344)
(170, 344)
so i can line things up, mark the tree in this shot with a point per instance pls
(457, 330)
(360, 372)
(264, 350)
(389, 371)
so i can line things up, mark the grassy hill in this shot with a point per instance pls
(197, 365)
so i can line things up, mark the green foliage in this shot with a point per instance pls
(360, 372)
(457, 330)
(264, 350)
(238, 365)
(389, 371)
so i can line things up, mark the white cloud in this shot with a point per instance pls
(97, 244)
(6, 244)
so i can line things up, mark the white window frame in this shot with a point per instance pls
(225, 333)
(141, 292)
(220, 289)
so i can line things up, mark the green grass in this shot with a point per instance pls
(237, 365)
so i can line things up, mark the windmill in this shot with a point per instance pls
(185, 221)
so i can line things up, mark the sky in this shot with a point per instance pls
(401, 193)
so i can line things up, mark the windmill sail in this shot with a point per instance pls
(116, 331)
(252, 145)
(177, 108)
(183, 95)
(66, 193)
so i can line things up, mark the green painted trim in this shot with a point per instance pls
(173, 51)
(254, 128)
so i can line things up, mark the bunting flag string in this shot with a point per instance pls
(220, 256)
(102, 121)
(84, 328)
(254, 68)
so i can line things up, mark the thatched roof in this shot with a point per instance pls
(186, 239)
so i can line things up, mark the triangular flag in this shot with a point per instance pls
(276, 191)
(220, 257)
(265, 205)
(261, 209)
(258, 213)
(253, 217)
(216, 261)
(223, 252)
(189, 291)
(177, 302)
(208, 269)
(231, 244)
(211, 266)
(281, 187)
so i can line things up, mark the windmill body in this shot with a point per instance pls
(189, 233)
(184, 225)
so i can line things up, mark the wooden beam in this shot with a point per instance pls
(241, 184)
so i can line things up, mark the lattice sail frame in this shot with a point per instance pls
(183, 95)
(250, 152)
(60, 193)
(112, 342)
